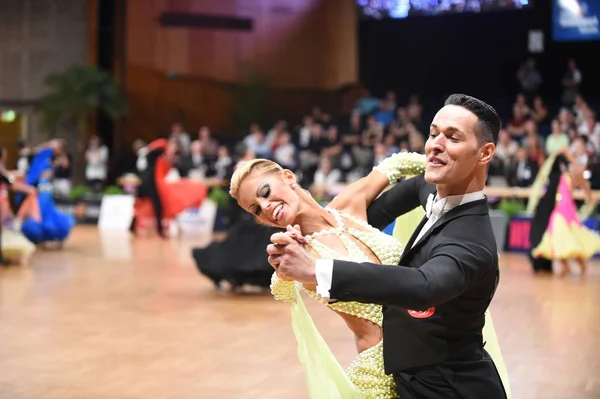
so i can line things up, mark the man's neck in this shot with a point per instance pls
(444, 191)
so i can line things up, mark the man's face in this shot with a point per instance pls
(452, 149)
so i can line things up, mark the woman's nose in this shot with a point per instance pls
(264, 204)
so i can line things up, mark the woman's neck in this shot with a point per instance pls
(313, 218)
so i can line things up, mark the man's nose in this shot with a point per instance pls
(438, 143)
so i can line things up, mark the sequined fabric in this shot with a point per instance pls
(402, 164)
(367, 371)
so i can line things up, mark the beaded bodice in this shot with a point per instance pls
(385, 247)
(367, 372)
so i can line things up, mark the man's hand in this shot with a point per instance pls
(290, 258)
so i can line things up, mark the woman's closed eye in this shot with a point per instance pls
(264, 192)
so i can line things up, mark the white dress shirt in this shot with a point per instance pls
(434, 210)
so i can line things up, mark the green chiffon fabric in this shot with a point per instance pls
(325, 377)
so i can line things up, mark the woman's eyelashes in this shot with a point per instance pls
(265, 192)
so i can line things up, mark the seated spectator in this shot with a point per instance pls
(558, 138)
(325, 177)
(385, 114)
(257, 142)
(516, 126)
(285, 154)
(523, 170)
(505, 152)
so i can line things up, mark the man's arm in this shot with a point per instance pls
(400, 199)
(357, 196)
(452, 268)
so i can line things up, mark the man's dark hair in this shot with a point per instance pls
(488, 125)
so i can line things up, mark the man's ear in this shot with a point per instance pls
(487, 153)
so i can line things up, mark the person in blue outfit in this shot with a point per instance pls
(54, 225)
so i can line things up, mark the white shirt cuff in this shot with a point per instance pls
(324, 274)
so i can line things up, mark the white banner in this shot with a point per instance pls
(116, 212)
(198, 221)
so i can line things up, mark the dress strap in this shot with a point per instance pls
(357, 221)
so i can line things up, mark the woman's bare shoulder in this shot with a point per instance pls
(354, 210)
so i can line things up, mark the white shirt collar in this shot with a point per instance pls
(438, 207)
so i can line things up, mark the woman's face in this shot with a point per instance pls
(270, 197)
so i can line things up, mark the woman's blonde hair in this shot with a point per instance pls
(247, 168)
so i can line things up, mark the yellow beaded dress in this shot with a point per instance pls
(365, 378)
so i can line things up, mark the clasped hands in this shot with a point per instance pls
(290, 257)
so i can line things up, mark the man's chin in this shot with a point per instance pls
(433, 177)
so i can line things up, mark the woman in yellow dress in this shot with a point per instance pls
(566, 238)
(14, 247)
(339, 231)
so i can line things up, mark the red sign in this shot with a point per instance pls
(518, 235)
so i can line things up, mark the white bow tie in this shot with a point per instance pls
(433, 209)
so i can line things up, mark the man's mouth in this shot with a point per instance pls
(436, 161)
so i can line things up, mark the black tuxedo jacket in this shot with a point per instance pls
(434, 302)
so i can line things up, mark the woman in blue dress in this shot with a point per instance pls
(54, 225)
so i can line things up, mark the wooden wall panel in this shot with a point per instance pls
(10, 134)
(295, 43)
(306, 50)
(142, 33)
(158, 101)
(341, 70)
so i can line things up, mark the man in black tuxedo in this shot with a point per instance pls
(523, 170)
(434, 301)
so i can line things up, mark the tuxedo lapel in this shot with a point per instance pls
(416, 232)
(413, 237)
(475, 207)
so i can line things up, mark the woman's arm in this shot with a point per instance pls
(366, 333)
(359, 195)
(14, 185)
(23, 188)
(54, 143)
(579, 181)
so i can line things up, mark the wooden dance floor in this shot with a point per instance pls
(122, 318)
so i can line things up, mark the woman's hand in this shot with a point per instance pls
(295, 233)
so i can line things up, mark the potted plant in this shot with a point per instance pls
(73, 97)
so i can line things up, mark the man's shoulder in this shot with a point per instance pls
(472, 224)
(423, 187)
(474, 229)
